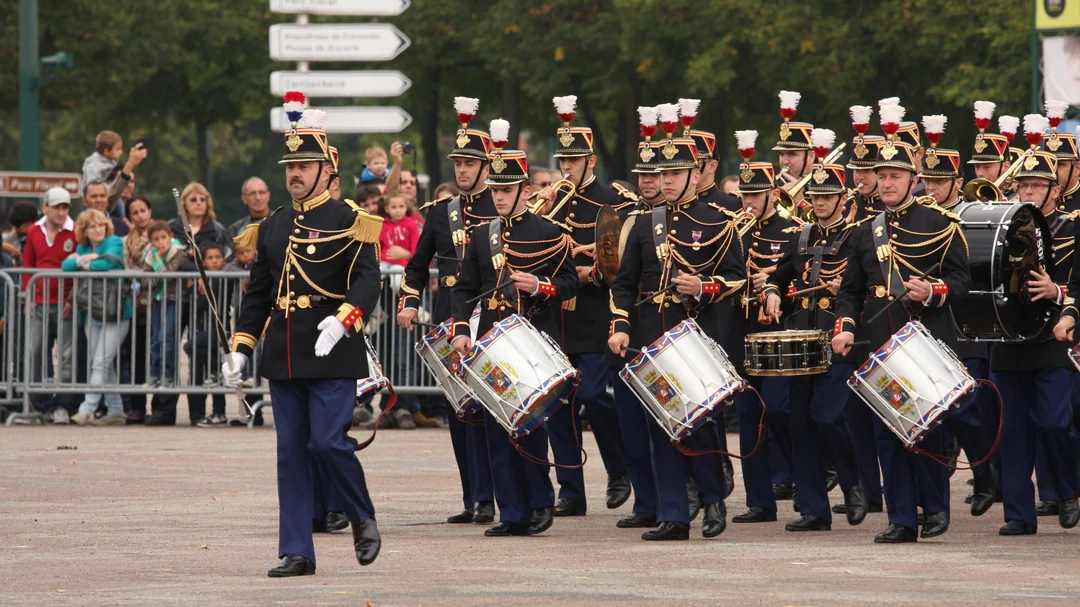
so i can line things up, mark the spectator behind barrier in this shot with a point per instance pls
(96, 197)
(20, 218)
(399, 235)
(100, 250)
(199, 207)
(256, 197)
(204, 350)
(133, 363)
(375, 168)
(165, 254)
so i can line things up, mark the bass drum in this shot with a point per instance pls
(1005, 243)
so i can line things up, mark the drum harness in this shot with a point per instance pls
(819, 253)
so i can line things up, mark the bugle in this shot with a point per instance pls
(787, 205)
(984, 190)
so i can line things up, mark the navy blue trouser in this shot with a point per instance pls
(634, 422)
(671, 469)
(311, 417)
(973, 430)
(520, 485)
(860, 425)
(324, 499)
(1038, 408)
(564, 428)
(757, 474)
(910, 479)
(470, 451)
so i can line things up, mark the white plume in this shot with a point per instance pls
(669, 112)
(312, 119)
(892, 113)
(1056, 109)
(466, 105)
(647, 115)
(934, 123)
(500, 130)
(984, 109)
(689, 107)
(860, 114)
(1008, 124)
(789, 99)
(565, 105)
(1035, 123)
(822, 138)
(888, 101)
(746, 139)
(294, 106)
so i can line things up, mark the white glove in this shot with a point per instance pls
(331, 332)
(233, 369)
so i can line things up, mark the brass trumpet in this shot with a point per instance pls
(547, 208)
(984, 190)
(787, 206)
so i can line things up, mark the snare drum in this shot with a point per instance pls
(375, 381)
(444, 364)
(519, 375)
(788, 353)
(911, 381)
(682, 379)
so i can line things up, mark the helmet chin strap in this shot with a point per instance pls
(685, 188)
(476, 182)
(316, 184)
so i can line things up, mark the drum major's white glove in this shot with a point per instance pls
(331, 332)
(233, 369)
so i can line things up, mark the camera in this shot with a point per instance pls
(408, 147)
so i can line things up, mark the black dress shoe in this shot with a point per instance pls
(970, 497)
(1069, 513)
(1015, 527)
(335, 521)
(809, 522)
(783, 492)
(618, 491)
(831, 479)
(715, 520)
(1047, 508)
(753, 514)
(366, 541)
(292, 565)
(855, 505)
(920, 519)
(936, 524)
(483, 512)
(839, 508)
(465, 516)
(693, 499)
(896, 534)
(507, 529)
(873, 507)
(667, 531)
(985, 491)
(637, 520)
(541, 520)
(565, 507)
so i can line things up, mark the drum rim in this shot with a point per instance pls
(788, 335)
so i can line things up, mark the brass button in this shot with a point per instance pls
(502, 308)
(571, 215)
(292, 276)
(299, 216)
(754, 244)
(671, 232)
(292, 308)
(296, 231)
(893, 236)
(890, 298)
(506, 234)
(468, 223)
(757, 232)
(573, 203)
(675, 218)
(292, 294)
(295, 245)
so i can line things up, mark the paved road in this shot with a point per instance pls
(164, 516)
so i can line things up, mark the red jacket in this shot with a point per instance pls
(404, 233)
(40, 254)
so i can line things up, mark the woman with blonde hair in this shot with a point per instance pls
(104, 311)
(199, 206)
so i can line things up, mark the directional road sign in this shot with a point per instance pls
(336, 42)
(376, 83)
(381, 8)
(34, 185)
(352, 119)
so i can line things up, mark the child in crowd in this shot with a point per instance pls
(400, 233)
(109, 147)
(376, 164)
(204, 350)
(165, 254)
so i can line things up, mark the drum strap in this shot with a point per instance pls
(819, 253)
(884, 252)
(498, 260)
(1059, 222)
(659, 232)
(457, 227)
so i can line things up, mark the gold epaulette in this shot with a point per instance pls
(639, 212)
(943, 211)
(436, 201)
(625, 193)
(1074, 215)
(792, 230)
(926, 200)
(861, 221)
(249, 237)
(366, 228)
(352, 205)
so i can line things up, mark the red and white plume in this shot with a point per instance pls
(891, 115)
(500, 133)
(647, 118)
(746, 141)
(1034, 127)
(688, 113)
(1055, 111)
(1008, 125)
(669, 117)
(934, 127)
(565, 107)
(313, 119)
(822, 140)
(465, 107)
(789, 101)
(984, 111)
(860, 118)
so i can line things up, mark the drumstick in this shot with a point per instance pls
(670, 287)
(810, 290)
(856, 344)
(426, 325)
(902, 296)
(490, 291)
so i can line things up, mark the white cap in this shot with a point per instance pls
(56, 195)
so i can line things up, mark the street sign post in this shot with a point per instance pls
(34, 185)
(374, 83)
(375, 8)
(352, 119)
(336, 42)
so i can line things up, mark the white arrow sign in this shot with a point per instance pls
(381, 8)
(352, 119)
(336, 42)
(377, 83)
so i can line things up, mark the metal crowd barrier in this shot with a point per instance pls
(164, 328)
